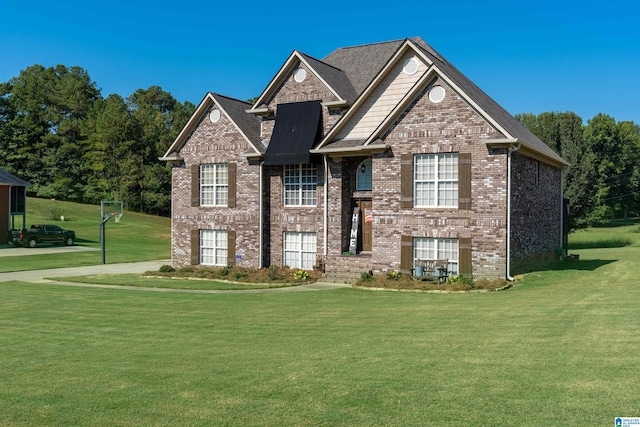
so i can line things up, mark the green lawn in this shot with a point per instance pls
(168, 283)
(559, 348)
(137, 237)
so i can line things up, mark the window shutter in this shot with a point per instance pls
(231, 247)
(464, 181)
(195, 247)
(406, 181)
(464, 257)
(406, 252)
(195, 186)
(231, 197)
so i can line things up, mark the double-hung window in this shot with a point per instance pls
(436, 180)
(213, 247)
(300, 250)
(429, 248)
(214, 184)
(300, 185)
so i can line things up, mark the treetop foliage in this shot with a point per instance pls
(59, 133)
(603, 180)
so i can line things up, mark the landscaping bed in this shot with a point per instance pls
(273, 274)
(396, 280)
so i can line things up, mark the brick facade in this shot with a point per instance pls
(423, 126)
(217, 142)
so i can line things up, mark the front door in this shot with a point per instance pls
(366, 225)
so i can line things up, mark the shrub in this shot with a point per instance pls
(166, 269)
(273, 272)
(301, 275)
(239, 275)
(366, 276)
(460, 279)
(186, 270)
(224, 272)
(394, 275)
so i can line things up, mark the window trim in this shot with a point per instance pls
(297, 185)
(435, 158)
(300, 251)
(215, 248)
(436, 249)
(214, 186)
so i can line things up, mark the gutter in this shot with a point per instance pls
(512, 148)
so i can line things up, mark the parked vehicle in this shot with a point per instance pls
(41, 233)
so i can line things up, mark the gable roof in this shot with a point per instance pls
(514, 129)
(7, 178)
(379, 57)
(247, 125)
(334, 80)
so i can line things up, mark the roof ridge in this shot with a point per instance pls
(319, 60)
(215, 94)
(371, 44)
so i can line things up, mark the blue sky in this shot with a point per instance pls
(530, 56)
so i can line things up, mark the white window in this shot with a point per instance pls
(436, 180)
(213, 247)
(428, 248)
(363, 176)
(300, 183)
(300, 250)
(214, 184)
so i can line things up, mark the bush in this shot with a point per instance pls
(186, 270)
(366, 276)
(166, 269)
(239, 275)
(224, 272)
(301, 275)
(273, 272)
(394, 275)
(460, 279)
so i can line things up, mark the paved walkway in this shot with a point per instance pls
(38, 276)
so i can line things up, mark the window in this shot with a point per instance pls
(213, 247)
(363, 176)
(300, 182)
(428, 248)
(436, 180)
(300, 250)
(214, 184)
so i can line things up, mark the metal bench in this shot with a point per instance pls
(431, 269)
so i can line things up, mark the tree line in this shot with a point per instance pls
(59, 133)
(69, 142)
(602, 181)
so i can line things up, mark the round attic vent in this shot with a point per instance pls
(410, 66)
(299, 75)
(436, 94)
(214, 116)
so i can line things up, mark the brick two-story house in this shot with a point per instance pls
(383, 150)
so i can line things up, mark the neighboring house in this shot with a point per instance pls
(435, 168)
(12, 203)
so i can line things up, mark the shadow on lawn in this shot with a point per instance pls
(614, 242)
(583, 265)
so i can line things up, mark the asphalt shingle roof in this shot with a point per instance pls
(7, 178)
(248, 123)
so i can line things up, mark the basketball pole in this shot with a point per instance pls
(102, 234)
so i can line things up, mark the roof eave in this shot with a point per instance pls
(526, 150)
(351, 151)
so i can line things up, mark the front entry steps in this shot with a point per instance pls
(346, 268)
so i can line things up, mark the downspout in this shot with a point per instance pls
(326, 207)
(260, 220)
(512, 148)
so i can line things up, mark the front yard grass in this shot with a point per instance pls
(559, 348)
